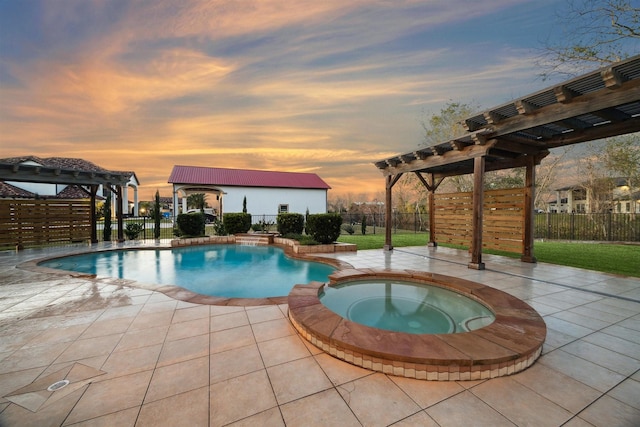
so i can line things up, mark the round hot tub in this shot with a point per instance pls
(401, 306)
(418, 324)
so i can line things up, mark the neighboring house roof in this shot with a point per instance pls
(8, 190)
(73, 192)
(69, 192)
(245, 178)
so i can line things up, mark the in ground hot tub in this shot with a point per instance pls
(402, 306)
(507, 343)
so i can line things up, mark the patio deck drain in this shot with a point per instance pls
(58, 385)
(48, 390)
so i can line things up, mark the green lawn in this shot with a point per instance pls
(609, 258)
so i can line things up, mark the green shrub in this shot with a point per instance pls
(218, 228)
(157, 215)
(325, 228)
(290, 223)
(292, 236)
(305, 240)
(262, 226)
(302, 239)
(133, 230)
(235, 223)
(191, 224)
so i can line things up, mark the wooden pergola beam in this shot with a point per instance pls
(584, 104)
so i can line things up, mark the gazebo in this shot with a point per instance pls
(520, 133)
(83, 174)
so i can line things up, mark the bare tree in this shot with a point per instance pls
(546, 175)
(442, 127)
(622, 158)
(446, 124)
(594, 33)
(595, 182)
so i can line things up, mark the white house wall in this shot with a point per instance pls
(265, 201)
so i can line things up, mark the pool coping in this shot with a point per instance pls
(177, 292)
(509, 345)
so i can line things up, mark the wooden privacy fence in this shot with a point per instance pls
(503, 219)
(39, 222)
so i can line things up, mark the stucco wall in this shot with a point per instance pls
(265, 201)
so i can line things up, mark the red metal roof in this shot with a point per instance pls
(245, 178)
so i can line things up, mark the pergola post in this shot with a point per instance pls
(431, 185)
(119, 214)
(478, 207)
(431, 200)
(388, 212)
(529, 197)
(390, 181)
(92, 215)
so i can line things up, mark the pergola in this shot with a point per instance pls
(520, 133)
(88, 180)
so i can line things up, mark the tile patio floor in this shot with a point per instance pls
(136, 357)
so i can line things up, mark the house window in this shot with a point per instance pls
(283, 208)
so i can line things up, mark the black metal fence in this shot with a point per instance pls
(375, 222)
(610, 227)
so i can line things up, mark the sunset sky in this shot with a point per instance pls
(308, 86)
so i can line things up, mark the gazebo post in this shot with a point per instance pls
(175, 204)
(478, 206)
(529, 196)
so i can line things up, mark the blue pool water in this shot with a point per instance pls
(231, 271)
(409, 307)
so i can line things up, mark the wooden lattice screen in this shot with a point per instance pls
(503, 219)
(39, 222)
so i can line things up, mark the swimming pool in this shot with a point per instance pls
(414, 308)
(232, 271)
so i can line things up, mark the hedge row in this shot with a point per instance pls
(290, 223)
(323, 228)
(190, 224)
(235, 223)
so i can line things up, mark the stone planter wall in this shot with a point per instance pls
(266, 239)
(315, 249)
